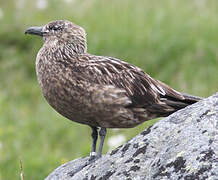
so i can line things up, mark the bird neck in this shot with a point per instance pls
(65, 50)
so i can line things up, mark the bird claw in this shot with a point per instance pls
(93, 156)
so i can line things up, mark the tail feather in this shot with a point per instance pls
(191, 99)
(177, 104)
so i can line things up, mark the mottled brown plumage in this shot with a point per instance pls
(96, 90)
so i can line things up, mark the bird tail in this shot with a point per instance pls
(191, 99)
(177, 104)
(170, 101)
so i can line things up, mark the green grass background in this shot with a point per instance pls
(173, 41)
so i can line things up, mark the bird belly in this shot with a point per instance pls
(68, 103)
(79, 107)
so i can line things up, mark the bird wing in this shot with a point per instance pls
(139, 86)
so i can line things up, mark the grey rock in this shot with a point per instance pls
(182, 146)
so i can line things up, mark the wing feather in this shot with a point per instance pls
(139, 86)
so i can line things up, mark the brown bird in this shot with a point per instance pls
(98, 91)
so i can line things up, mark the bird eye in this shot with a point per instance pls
(55, 28)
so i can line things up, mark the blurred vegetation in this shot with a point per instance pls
(173, 41)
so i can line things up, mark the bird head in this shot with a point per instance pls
(61, 33)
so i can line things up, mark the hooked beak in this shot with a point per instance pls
(35, 31)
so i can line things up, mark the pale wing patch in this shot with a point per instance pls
(160, 90)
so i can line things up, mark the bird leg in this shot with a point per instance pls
(102, 134)
(94, 141)
(93, 157)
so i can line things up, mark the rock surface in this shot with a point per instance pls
(181, 146)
